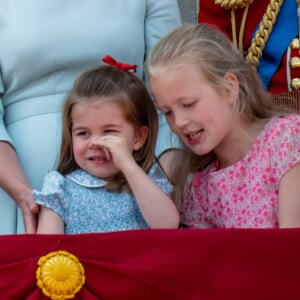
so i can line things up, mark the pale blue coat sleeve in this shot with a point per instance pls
(161, 18)
(3, 133)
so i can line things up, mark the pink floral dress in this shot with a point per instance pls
(245, 195)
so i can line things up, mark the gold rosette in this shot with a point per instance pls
(60, 275)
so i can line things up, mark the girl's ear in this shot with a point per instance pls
(140, 137)
(231, 85)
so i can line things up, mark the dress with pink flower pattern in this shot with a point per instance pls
(245, 194)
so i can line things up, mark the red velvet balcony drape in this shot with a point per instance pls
(162, 264)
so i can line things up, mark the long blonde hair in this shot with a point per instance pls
(130, 93)
(214, 54)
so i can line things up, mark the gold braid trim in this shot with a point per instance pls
(233, 5)
(262, 34)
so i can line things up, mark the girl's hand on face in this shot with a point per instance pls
(116, 149)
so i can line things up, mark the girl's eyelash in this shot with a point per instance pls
(110, 130)
(189, 104)
(82, 133)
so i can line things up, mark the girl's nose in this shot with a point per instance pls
(180, 120)
(93, 143)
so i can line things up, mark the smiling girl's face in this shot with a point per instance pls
(91, 120)
(201, 116)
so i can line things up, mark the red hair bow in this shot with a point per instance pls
(123, 67)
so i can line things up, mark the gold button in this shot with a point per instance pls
(295, 43)
(295, 62)
(295, 83)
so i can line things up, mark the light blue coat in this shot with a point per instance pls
(44, 46)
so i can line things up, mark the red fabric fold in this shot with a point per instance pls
(163, 264)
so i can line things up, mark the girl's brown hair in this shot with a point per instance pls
(130, 93)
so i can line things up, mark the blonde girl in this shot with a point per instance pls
(240, 161)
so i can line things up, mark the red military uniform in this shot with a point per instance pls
(285, 29)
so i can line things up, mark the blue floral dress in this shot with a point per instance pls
(84, 204)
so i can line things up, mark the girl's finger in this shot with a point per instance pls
(107, 153)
